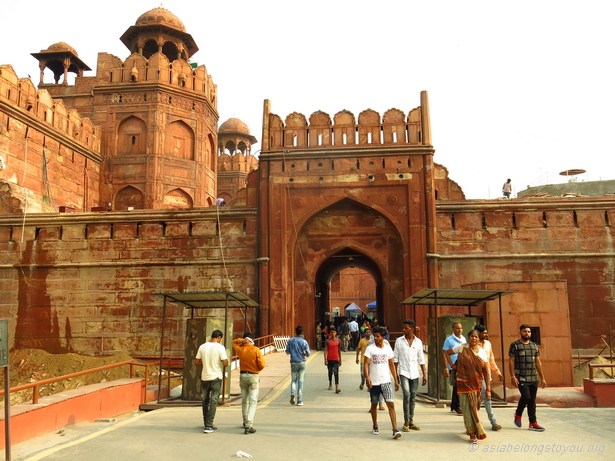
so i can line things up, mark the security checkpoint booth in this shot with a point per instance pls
(439, 327)
(208, 311)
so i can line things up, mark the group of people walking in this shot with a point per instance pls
(470, 364)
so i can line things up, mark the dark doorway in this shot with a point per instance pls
(343, 259)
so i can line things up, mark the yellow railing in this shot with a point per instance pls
(593, 366)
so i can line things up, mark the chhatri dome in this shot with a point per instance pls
(234, 125)
(234, 136)
(160, 17)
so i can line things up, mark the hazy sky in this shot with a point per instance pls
(519, 90)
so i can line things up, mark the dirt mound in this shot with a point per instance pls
(30, 365)
(582, 371)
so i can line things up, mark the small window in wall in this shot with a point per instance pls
(395, 136)
(535, 335)
(295, 140)
(369, 138)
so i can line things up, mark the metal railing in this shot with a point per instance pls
(36, 385)
(261, 342)
(593, 366)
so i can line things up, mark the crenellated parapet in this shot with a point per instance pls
(554, 226)
(370, 128)
(137, 69)
(240, 163)
(20, 100)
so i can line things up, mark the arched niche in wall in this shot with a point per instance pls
(178, 199)
(211, 148)
(131, 136)
(179, 141)
(129, 198)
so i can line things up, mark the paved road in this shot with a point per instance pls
(328, 427)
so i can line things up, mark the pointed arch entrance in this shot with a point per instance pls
(344, 234)
(346, 258)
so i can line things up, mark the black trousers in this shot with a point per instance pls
(528, 399)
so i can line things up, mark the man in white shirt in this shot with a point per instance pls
(408, 357)
(354, 333)
(486, 345)
(212, 356)
(378, 367)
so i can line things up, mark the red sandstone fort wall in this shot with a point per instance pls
(536, 241)
(88, 283)
(51, 155)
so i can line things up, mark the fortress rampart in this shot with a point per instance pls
(50, 155)
(535, 240)
(88, 282)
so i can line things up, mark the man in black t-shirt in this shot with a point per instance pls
(525, 369)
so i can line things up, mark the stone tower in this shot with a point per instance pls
(158, 115)
(235, 158)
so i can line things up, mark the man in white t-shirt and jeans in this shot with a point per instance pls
(212, 356)
(378, 367)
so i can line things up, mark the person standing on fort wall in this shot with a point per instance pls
(507, 189)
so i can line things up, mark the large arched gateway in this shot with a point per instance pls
(334, 195)
(345, 234)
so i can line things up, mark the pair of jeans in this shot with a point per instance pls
(528, 398)
(409, 387)
(333, 367)
(297, 371)
(487, 404)
(211, 393)
(249, 385)
(362, 374)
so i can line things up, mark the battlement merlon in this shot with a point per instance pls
(296, 132)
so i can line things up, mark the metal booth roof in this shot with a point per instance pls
(211, 299)
(458, 297)
(453, 297)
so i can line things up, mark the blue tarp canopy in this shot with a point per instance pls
(352, 308)
(372, 305)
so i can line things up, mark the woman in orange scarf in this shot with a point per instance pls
(472, 367)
